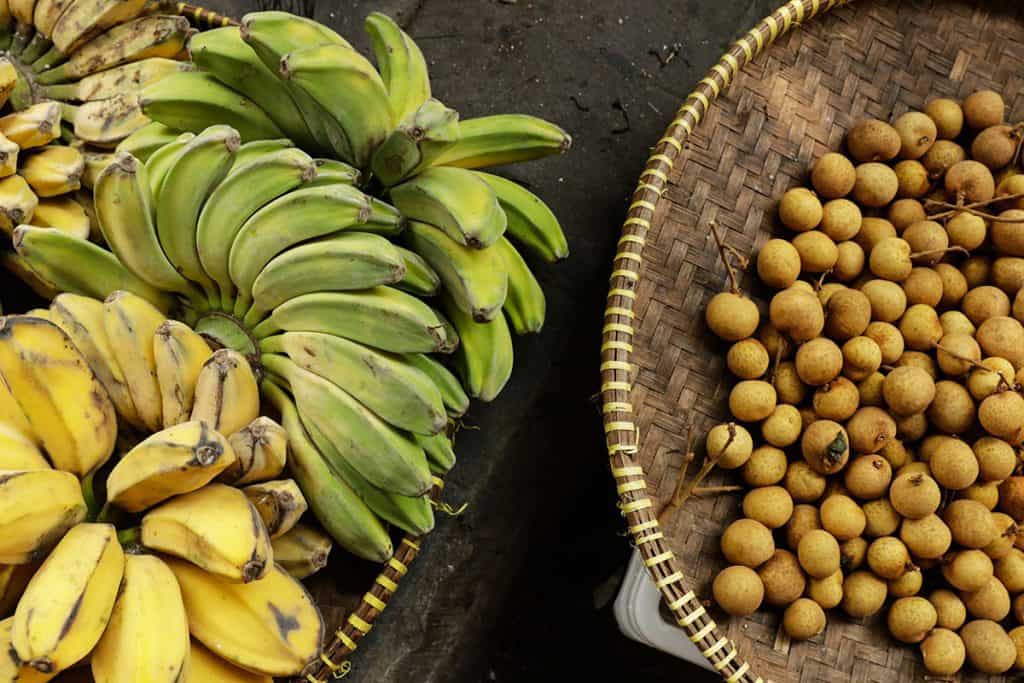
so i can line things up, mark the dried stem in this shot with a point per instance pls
(684, 489)
(714, 490)
(933, 252)
(970, 361)
(974, 208)
(821, 280)
(723, 252)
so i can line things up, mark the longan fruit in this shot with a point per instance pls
(911, 619)
(996, 458)
(982, 303)
(873, 140)
(954, 285)
(732, 316)
(967, 570)
(833, 176)
(769, 505)
(888, 557)
(803, 619)
(888, 339)
(1006, 535)
(1018, 306)
(778, 264)
(800, 209)
(863, 594)
(952, 411)
(927, 538)
(983, 109)
(1018, 608)
(910, 428)
(1011, 497)
(951, 611)
(1010, 570)
(976, 270)
(943, 652)
(991, 601)
(986, 493)
(1002, 415)
(729, 445)
(955, 322)
(840, 219)
(747, 542)
(895, 452)
(774, 343)
(1008, 275)
(917, 133)
(918, 359)
(861, 358)
(782, 577)
(804, 519)
(870, 429)
(818, 252)
(995, 146)
(908, 390)
(738, 590)
(931, 445)
(818, 552)
(747, 359)
(923, 286)
(872, 231)
(825, 446)
(852, 553)
(890, 259)
(877, 185)
(782, 428)
(848, 314)
(827, 592)
(1012, 184)
(850, 261)
(911, 179)
(942, 156)
(948, 117)
(927, 238)
(957, 353)
(870, 390)
(1006, 236)
(888, 300)
(954, 465)
(903, 212)
(907, 585)
(1017, 636)
(804, 484)
(788, 386)
(818, 361)
(766, 466)
(970, 522)
(989, 649)
(920, 328)
(868, 476)
(966, 230)
(842, 517)
(752, 400)
(797, 314)
(984, 381)
(827, 290)
(971, 181)
(1004, 337)
(915, 496)
(837, 400)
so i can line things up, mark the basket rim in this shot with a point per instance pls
(617, 372)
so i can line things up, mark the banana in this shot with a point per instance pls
(484, 357)
(37, 508)
(13, 580)
(420, 279)
(392, 389)
(68, 603)
(8, 80)
(382, 317)
(8, 157)
(269, 626)
(131, 323)
(22, 11)
(345, 261)
(127, 78)
(303, 551)
(179, 355)
(59, 394)
(341, 512)
(476, 279)
(401, 65)
(332, 171)
(415, 142)
(503, 139)
(82, 21)
(81, 318)
(383, 455)
(46, 14)
(148, 139)
(124, 211)
(63, 213)
(216, 528)
(412, 514)
(81, 267)
(261, 452)
(451, 334)
(161, 160)
(223, 53)
(147, 636)
(454, 396)
(13, 416)
(95, 162)
(177, 460)
(454, 200)
(105, 123)
(17, 203)
(196, 171)
(525, 305)
(206, 667)
(10, 671)
(19, 452)
(439, 450)
(227, 397)
(53, 171)
(16, 265)
(194, 100)
(279, 503)
(250, 151)
(243, 192)
(35, 126)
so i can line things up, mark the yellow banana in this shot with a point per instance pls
(8, 79)
(13, 580)
(10, 671)
(302, 551)
(68, 602)
(216, 528)
(54, 170)
(107, 122)
(179, 354)
(17, 203)
(8, 156)
(261, 451)
(82, 20)
(12, 415)
(35, 126)
(63, 213)
(270, 626)
(95, 162)
(46, 14)
(171, 462)
(18, 452)
(58, 393)
(226, 397)
(206, 667)
(37, 507)
(279, 503)
(131, 323)
(147, 636)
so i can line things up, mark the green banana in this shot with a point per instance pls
(81, 267)
(345, 261)
(454, 396)
(161, 160)
(394, 390)
(440, 453)
(476, 279)
(503, 139)
(401, 65)
(130, 77)
(244, 191)
(341, 512)
(193, 101)
(530, 221)
(415, 142)
(250, 151)
(331, 171)
(484, 357)
(382, 317)
(454, 200)
(525, 305)
(142, 143)
(420, 279)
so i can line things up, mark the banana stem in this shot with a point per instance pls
(129, 538)
(89, 494)
(106, 513)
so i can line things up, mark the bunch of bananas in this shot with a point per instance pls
(192, 535)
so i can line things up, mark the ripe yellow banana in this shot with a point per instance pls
(83, 20)
(68, 602)
(179, 354)
(147, 636)
(270, 626)
(58, 393)
(302, 551)
(13, 580)
(105, 123)
(227, 397)
(17, 203)
(171, 462)
(8, 156)
(261, 451)
(63, 213)
(131, 323)
(8, 79)
(216, 528)
(37, 507)
(35, 126)
(206, 667)
(95, 162)
(279, 503)
(53, 170)
(13, 416)
(10, 671)
(18, 452)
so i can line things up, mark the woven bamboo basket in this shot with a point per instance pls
(778, 99)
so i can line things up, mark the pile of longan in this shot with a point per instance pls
(885, 384)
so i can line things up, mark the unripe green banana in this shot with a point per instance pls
(142, 143)
(503, 139)
(530, 221)
(439, 450)
(454, 200)
(161, 160)
(250, 151)
(415, 142)
(454, 396)
(525, 305)
(484, 357)
(420, 279)
(303, 551)
(401, 65)
(279, 503)
(332, 171)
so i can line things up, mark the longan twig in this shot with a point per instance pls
(723, 251)
(688, 457)
(686, 490)
(714, 490)
(973, 208)
(947, 250)
(820, 282)
(970, 361)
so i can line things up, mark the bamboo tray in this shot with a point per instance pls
(777, 100)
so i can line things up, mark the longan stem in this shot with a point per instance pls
(933, 252)
(723, 251)
(687, 459)
(965, 359)
(821, 280)
(973, 209)
(687, 488)
(713, 490)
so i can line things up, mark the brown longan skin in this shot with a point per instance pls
(877, 185)
(882, 518)
(738, 590)
(957, 354)
(804, 484)
(1002, 336)
(991, 601)
(774, 343)
(954, 466)
(788, 386)
(782, 428)
(797, 313)
(995, 146)
(1002, 415)
(825, 446)
(912, 180)
(911, 619)
(989, 649)
(747, 359)
(783, 579)
(888, 300)
(970, 523)
(873, 140)
(818, 552)
(850, 261)
(803, 619)
(943, 653)
(1008, 275)
(948, 117)
(1011, 497)
(1009, 569)
(976, 270)
(852, 554)
(952, 411)
(842, 517)
(861, 358)
(870, 429)
(769, 505)
(950, 609)
(908, 390)
(841, 219)
(778, 264)
(915, 496)
(954, 284)
(984, 108)
(827, 592)
(926, 236)
(888, 339)
(966, 230)
(907, 585)
(833, 176)
(996, 458)
(923, 286)
(870, 390)
(848, 314)
(920, 328)
(836, 400)
(904, 212)
(997, 373)
(890, 259)
(818, 253)
(888, 558)
(765, 467)
(919, 359)
(955, 322)
(872, 231)
(984, 302)
(800, 209)
(818, 361)
(927, 538)
(1017, 636)
(868, 476)
(942, 156)
(747, 542)
(917, 133)
(1006, 536)
(863, 594)
(729, 444)
(804, 519)
(1006, 236)
(895, 451)
(752, 400)
(967, 570)
(1012, 184)
(970, 180)
(732, 316)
